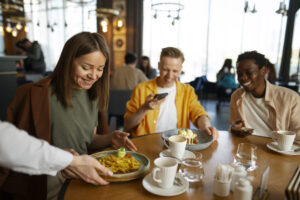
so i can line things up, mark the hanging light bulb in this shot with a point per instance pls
(18, 26)
(119, 23)
(254, 9)
(14, 33)
(246, 8)
(1, 30)
(104, 24)
(155, 15)
(8, 28)
(26, 29)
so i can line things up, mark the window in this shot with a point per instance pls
(52, 26)
(210, 31)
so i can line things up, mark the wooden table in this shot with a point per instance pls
(282, 168)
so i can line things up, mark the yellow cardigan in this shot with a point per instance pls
(187, 105)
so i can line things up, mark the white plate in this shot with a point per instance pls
(153, 188)
(273, 147)
(143, 160)
(204, 140)
(187, 154)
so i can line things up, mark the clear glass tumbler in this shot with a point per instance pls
(246, 156)
(192, 168)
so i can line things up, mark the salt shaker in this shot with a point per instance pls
(239, 172)
(243, 190)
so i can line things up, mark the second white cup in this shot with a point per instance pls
(285, 139)
(165, 171)
(177, 146)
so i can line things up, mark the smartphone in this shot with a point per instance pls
(160, 96)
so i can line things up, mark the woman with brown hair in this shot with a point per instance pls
(146, 68)
(66, 109)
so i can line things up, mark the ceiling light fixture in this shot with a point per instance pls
(172, 10)
(282, 9)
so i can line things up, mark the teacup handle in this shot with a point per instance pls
(155, 170)
(274, 137)
(165, 143)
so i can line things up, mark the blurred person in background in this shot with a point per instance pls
(35, 61)
(128, 76)
(146, 68)
(271, 72)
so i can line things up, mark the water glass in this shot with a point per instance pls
(246, 156)
(192, 168)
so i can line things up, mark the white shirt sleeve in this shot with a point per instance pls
(24, 153)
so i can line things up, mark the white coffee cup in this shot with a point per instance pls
(285, 139)
(177, 145)
(165, 171)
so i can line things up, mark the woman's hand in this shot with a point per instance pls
(238, 128)
(120, 139)
(86, 168)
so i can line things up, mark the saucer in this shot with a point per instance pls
(274, 147)
(153, 187)
(187, 154)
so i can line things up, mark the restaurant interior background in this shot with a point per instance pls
(207, 31)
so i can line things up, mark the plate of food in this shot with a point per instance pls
(126, 165)
(196, 139)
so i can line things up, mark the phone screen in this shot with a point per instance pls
(160, 96)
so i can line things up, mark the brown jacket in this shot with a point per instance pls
(29, 110)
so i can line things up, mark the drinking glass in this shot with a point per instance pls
(246, 156)
(192, 168)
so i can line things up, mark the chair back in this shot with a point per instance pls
(117, 102)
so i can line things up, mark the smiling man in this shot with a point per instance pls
(260, 105)
(146, 114)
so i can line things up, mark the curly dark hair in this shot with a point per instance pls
(260, 59)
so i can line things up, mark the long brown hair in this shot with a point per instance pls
(81, 44)
(148, 68)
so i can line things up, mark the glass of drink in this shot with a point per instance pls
(246, 156)
(192, 168)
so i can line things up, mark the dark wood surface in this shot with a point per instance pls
(281, 169)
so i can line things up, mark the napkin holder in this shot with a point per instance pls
(261, 193)
(292, 191)
(263, 196)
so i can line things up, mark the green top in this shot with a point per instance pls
(73, 127)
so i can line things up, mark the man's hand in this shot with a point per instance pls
(210, 130)
(87, 169)
(238, 128)
(151, 103)
(120, 139)
(203, 123)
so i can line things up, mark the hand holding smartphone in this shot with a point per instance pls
(160, 96)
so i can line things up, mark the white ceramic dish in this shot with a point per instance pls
(152, 187)
(144, 166)
(204, 140)
(273, 147)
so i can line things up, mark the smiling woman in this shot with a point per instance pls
(66, 108)
(88, 69)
